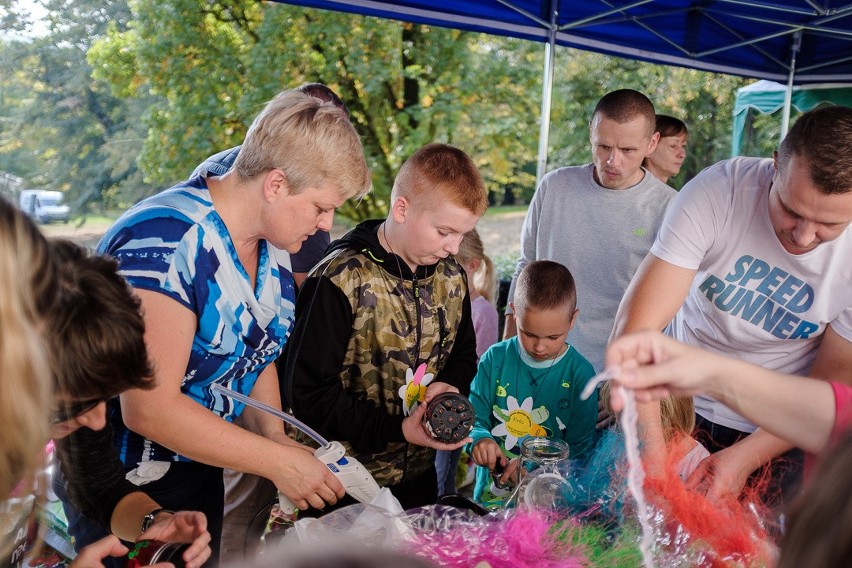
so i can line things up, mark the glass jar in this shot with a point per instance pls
(539, 483)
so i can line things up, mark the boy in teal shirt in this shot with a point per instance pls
(530, 385)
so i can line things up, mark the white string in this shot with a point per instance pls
(636, 474)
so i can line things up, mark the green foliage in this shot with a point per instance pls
(79, 137)
(504, 265)
(705, 101)
(124, 97)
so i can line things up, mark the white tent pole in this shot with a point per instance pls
(788, 95)
(547, 94)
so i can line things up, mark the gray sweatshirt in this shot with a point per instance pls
(601, 235)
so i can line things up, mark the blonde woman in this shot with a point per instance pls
(24, 378)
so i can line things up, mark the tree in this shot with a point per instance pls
(81, 138)
(215, 64)
(705, 101)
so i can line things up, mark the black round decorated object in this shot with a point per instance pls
(449, 417)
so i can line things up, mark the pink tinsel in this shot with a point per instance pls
(523, 540)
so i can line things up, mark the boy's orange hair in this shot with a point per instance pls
(440, 172)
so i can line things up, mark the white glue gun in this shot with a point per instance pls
(355, 478)
(352, 474)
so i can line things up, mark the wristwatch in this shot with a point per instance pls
(148, 519)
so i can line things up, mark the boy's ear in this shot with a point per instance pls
(275, 185)
(400, 209)
(573, 319)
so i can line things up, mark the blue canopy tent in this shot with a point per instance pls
(768, 97)
(794, 41)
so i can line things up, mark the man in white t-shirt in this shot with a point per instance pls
(754, 259)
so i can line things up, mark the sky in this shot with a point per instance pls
(37, 13)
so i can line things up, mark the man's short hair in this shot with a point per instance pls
(545, 285)
(437, 172)
(310, 140)
(625, 105)
(95, 333)
(821, 139)
(670, 126)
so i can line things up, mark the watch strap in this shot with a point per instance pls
(148, 519)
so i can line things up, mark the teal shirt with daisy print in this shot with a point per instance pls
(515, 396)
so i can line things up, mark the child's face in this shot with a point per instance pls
(542, 333)
(431, 233)
(71, 415)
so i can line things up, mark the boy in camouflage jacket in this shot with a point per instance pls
(388, 297)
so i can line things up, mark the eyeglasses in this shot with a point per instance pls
(73, 409)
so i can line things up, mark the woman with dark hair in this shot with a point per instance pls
(667, 158)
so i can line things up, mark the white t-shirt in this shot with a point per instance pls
(750, 297)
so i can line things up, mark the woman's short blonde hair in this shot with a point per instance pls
(310, 140)
(26, 275)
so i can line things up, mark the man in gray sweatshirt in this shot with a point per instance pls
(600, 219)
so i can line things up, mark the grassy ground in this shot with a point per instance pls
(500, 229)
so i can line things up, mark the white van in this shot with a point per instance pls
(44, 206)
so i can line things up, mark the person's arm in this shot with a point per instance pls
(266, 390)
(653, 297)
(482, 399)
(834, 358)
(800, 410)
(94, 475)
(168, 417)
(96, 484)
(655, 294)
(727, 471)
(179, 526)
(484, 448)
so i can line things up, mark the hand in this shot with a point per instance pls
(184, 526)
(656, 366)
(306, 481)
(415, 433)
(435, 388)
(720, 475)
(511, 474)
(92, 555)
(605, 417)
(486, 453)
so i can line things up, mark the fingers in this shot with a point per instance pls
(605, 418)
(436, 388)
(199, 551)
(92, 555)
(701, 478)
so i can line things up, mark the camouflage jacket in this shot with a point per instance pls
(362, 319)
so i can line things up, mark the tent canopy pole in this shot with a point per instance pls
(547, 94)
(788, 96)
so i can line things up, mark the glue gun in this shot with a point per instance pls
(355, 478)
(352, 474)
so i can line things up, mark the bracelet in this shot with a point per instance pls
(148, 519)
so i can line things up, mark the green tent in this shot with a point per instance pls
(767, 97)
